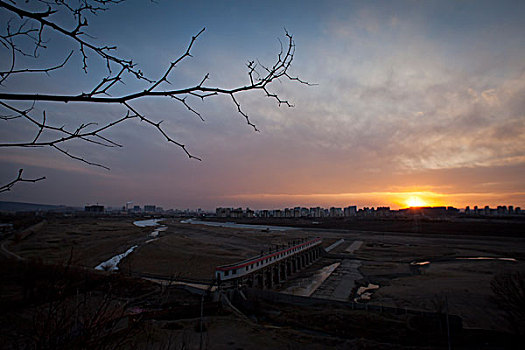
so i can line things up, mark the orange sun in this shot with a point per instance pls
(415, 201)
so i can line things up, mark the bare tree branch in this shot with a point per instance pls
(31, 26)
(19, 178)
(5, 74)
(159, 128)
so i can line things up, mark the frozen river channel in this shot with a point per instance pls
(112, 263)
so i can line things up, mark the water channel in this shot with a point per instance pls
(112, 263)
(235, 225)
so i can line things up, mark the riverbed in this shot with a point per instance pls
(235, 225)
(112, 263)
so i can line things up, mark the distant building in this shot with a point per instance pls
(502, 210)
(383, 211)
(365, 211)
(315, 212)
(304, 212)
(150, 208)
(451, 211)
(350, 211)
(236, 213)
(94, 208)
(336, 212)
(222, 212)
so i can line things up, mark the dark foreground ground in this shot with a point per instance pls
(53, 299)
(57, 307)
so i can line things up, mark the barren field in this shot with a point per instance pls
(183, 250)
(86, 241)
(193, 251)
(448, 280)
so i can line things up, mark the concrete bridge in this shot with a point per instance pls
(270, 269)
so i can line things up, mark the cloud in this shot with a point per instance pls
(408, 99)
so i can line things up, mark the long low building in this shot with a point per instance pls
(276, 264)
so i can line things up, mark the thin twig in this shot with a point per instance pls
(19, 178)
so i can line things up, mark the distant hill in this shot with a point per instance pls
(21, 207)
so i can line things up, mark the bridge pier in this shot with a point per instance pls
(283, 276)
(264, 279)
(258, 281)
(276, 275)
(269, 278)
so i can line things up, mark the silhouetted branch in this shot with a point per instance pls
(160, 130)
(19, 178)
(5, 74)
(27, 26)
(75, 34)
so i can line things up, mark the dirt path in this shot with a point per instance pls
(7, 253)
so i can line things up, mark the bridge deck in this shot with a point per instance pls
(253, 264)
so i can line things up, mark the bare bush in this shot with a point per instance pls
(509, 295)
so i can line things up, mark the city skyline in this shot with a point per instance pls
(413, 203)
(415, 102)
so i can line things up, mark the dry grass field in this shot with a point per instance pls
(193, 251)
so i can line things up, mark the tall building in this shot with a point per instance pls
(336, 212)
(149, 208)
(350, 210)
(223, 212)
(94, 208)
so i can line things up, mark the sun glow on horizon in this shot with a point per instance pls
(395, 200)
(416, 201)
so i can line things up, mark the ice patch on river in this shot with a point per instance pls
(151, 222)
(487, 258)
(158, 231)
(147, 223)
(363, 293)
(112, 264)
(472, 258)
(234, 225)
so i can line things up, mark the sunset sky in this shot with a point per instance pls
(415, 100)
